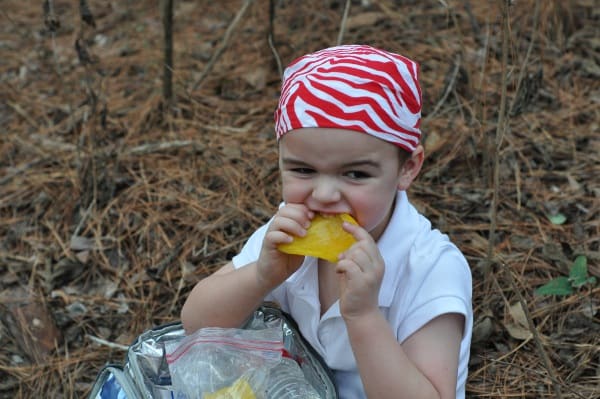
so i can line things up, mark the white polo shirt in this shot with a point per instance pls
(425, 276)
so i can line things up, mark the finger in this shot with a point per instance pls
(288, 225)
(298, 212)
(359, 233)
(369, 249)
(360, 256)
(348, 269)
(278, 237)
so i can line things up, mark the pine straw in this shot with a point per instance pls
(112, 207)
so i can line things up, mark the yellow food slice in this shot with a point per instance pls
(239, 390)
(325, 238)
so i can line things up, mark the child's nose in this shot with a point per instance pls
(326, 191)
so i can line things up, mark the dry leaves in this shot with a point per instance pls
(112, 206)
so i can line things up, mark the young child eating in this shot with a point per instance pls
(392, 315)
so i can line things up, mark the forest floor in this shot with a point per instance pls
(113, 202)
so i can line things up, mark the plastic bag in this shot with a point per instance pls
(224, 359)
(145, 373)
(286, 381)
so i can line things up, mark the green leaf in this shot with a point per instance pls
(558, 286)
(559, 218)
(578, 275)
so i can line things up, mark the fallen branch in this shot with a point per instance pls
(536, 335)
(271, 37)
(449, 88)
(107, 343)
(343, 24)
(156, 147)
(500, 127)
(536, 17)
(222, 46)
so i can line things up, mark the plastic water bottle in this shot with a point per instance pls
(287, 381)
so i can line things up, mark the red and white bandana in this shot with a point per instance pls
(354, 87)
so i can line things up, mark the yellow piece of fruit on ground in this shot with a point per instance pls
(240, 389)
(325, 238)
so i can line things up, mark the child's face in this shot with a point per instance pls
(341, 171)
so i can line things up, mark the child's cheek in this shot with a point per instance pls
(293, 192)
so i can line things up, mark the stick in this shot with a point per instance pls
(20, 169)
(498, 141)
(536, 335)
(536, 17)
(449, 88)
(271, 37)
(222, 46)
(167, 9)
(107, 343)
(156, 147)
(343, 24)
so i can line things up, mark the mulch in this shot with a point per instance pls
(115, 201)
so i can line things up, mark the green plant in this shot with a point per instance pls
(578, 277)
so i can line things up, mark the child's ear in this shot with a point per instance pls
(411, 168)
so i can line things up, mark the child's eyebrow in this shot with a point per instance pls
(363, 163)
(292, 161)
(351, 164)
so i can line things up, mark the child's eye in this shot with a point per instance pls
(303, 171)
(357, 174)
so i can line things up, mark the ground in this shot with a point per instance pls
(115, 200)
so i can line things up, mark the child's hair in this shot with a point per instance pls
(354, 87)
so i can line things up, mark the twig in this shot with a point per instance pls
(343, 24)
(107, 343)
(157, 271)
(534, 331)
(536, 17)
(23, 113)
(180, 286)
(84, 217)
(20, 169)
(222, 46)
(271, 37)
(533, 371)
(167, 10)
(156, 147)
(500, 127)
(389, 12)
(474, 24)
(449, 88)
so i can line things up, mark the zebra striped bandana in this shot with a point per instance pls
(354, 87)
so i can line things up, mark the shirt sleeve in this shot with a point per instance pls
(249, 253)
(251, 249)
(440, 284)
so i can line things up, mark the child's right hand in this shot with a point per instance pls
(274, 266)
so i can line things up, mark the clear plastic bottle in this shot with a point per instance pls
(287, 381)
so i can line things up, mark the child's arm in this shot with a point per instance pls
(229, 296)
(224, 299)
(423, 366)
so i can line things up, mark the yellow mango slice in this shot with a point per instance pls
(325, 238)
(239, 390)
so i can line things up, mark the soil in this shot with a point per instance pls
(115, 198)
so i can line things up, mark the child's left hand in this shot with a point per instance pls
(360, 271)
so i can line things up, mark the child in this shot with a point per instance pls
(392, 318)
